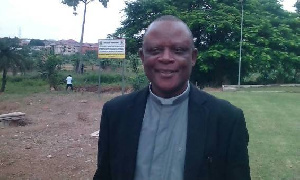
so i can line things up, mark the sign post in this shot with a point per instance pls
(112, 49)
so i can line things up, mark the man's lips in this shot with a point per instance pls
(166, 72)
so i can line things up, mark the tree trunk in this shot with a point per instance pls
(81, 39)
(4, 79)
(14, 70)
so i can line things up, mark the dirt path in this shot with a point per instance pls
(56, 144)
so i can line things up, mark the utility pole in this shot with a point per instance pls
(78, 70)
(241, 42)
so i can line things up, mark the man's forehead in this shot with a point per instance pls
(162, 25)
(166, 28)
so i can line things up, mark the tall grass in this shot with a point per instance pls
(25, 85)
(92, 78)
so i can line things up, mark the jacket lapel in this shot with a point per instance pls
(136, 111)
(196, 134)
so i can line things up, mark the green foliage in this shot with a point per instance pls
(92, 78)
(12, 57)
(139, 81)
(90, 57)
(15, 79)
(270, 37)
(75, 3)
(25, 84)
(10, 53)
(134, 62)
(36, 42)
(48, 67)
(297, 5)
(105, 78)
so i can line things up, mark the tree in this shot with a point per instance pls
(270, 37)
(48, 67)
(36, 42)
(74, 4)
(297, 5)
(11, 57)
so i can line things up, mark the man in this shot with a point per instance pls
(69, 82)
(82, 68)
(171, 130)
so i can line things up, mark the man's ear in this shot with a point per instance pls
(141, 54)
(194, 56)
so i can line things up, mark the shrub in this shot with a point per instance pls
(15, 79)
(139, 81)
(105, 78)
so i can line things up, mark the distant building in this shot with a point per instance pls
(24, 42)
(89, 47)
(62, 47)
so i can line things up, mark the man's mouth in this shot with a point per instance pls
(166, 73)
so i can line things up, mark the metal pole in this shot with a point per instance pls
(123, 79)
(99, 88)
(241, 42)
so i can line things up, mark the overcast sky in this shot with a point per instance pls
(49, 19)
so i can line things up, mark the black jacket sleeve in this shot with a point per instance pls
(238, 159)
(103, 167)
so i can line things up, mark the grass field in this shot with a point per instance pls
(273, 121)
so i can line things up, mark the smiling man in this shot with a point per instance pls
(168, 55)
(171, 130)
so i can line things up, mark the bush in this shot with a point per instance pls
(105, 78)
(55, 79)
(15, 79)
(139, 81)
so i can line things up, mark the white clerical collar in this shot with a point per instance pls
(172, 100)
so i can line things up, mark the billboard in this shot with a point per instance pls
(111, 48)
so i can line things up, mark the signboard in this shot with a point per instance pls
(111, 48)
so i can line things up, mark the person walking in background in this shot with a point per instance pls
(69, 80)
(82, 68)
(171, 130)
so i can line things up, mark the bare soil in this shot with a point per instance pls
(54, 142)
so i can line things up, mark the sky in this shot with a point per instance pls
(50, 19)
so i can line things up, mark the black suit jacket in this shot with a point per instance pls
(217, 138)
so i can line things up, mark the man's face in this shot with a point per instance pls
(168, 57)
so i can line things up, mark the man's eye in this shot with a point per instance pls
(179, 50)
(155, 50)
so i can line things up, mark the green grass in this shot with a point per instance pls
(92, 78)
(273, 121)
(26, 86)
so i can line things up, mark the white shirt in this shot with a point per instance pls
(69, 80)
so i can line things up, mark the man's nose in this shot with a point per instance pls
(167, 56)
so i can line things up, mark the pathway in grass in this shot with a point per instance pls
(273, 121)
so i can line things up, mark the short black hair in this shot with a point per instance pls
(170, 18)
